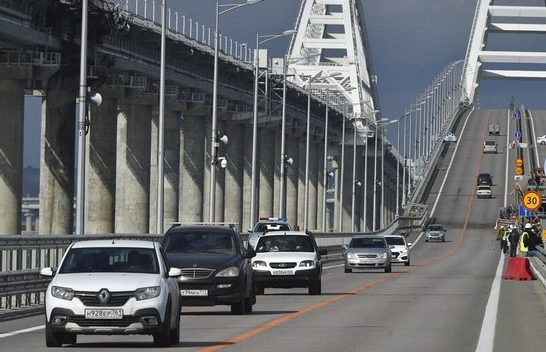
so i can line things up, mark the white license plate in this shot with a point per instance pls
(282, 272)
(368, 261)
(194, 292)
(104, 314)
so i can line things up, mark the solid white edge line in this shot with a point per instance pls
(445, 177)
(17, 332)
(333, 266)
(486, 340)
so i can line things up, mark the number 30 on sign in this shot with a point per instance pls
(531, 200)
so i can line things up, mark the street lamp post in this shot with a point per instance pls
(214, 141)
(325, 166)
(342, 174)
(353, 196)
(261, 39)
(161, 125)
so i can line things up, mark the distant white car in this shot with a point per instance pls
(541, 140)
(112, 287)
(450, 138)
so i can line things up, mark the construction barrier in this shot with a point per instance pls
(518, 269)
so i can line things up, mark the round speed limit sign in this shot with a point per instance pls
(531, 200)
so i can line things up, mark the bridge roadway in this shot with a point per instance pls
(436, 304)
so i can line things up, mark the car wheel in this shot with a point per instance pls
(407, 263)
(162, 338)
(347, 270)
(443, 239)
(70, 339)
(53, 339)
(174, 335)
(259, 290)
(388, 269)
(426, 240)
(315, 288)
(249, 302)
(239, 307)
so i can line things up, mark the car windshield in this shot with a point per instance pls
(395, 241)
(367, 243)
(266, 227)
(490, 143)
(199, 242)
(436, 228)
(284, 243)
(110, 260)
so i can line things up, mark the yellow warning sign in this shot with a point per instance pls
(531, 200)
(518, 170)
(519, 162)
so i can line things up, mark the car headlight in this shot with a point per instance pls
(382, 255)
(307, 263)
(62, 292)
(259, 264)
(229, 272)
(351, 255)
(147, 293)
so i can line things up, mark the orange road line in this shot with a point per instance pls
(279, 321)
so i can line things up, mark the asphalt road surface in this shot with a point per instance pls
(439, 303)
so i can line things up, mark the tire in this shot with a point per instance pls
(70, 339)
(426, 240)
(407, 263)
(388, 269)
(174, 335)
(249, 302)
(347, 270)
(239, 307)
(443, 239)
(162, 338)
(259, 290)
(315, 288)
(53, 339)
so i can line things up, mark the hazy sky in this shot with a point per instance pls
(411, 41)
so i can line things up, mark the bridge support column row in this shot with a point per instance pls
(11, 154)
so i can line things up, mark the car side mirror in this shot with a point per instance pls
(323, 251)
(175, 272)
(410, 244)
(250, 253)
(47, 272)
(249, 230)
(391, 247)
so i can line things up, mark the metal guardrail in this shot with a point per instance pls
(21, 256)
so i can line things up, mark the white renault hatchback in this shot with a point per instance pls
(112, 287)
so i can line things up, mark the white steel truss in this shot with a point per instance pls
(330, 52)
(490, 18)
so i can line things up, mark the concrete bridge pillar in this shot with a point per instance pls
(133, 168)
(277, 177)
(12, 99)
(192, 158)
(267, 172)
(313, 187)
(367, 209)
(57, 154)
(233, 193)
(347, 189)
(292, 151)
(100, 169)
(300, 164)
(247, 178)
(320, 186)
(170, 169)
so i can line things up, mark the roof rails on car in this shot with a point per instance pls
(230, 224)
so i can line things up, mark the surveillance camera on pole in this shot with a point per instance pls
(289, 161)
(223, 162)
(224, 139)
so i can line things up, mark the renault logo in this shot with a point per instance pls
(194, 265)
(103, 296)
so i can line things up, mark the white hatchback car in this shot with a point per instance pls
(541, 140)
(112, 287)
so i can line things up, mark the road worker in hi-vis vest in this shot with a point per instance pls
(523, 247)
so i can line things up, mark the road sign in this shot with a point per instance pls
(517, 114)
(518, 177)
(517, 135)
(518, 170)
(519, 162)
(531, 200)
(524, 212)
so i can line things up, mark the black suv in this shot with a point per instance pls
(215, 266)
(485, 179)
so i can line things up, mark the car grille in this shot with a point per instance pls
(124, 322)
(282, 265)
(117, 299)
(367, 255)
(196, 273)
